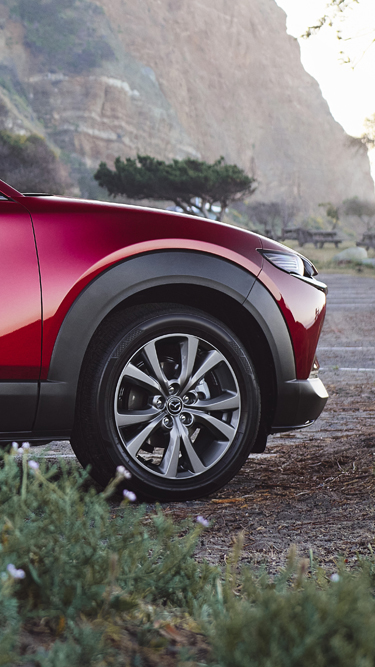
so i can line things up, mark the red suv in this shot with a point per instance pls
(168, 344)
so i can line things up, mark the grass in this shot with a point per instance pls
(82, 584)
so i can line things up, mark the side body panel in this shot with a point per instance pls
(20, 302)
(20, 323)
(77, 241)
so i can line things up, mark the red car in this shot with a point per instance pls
(168, 344)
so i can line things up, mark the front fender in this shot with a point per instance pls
(111, 288)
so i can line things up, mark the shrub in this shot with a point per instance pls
(294, 621)
(29, 165)
(102, 577)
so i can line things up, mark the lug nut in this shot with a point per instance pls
(173, 389)
(159, 403)
(167, 422)
(189, 398)
(186, 419)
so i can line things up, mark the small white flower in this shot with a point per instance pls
(200, 519)
(335, 577)
(129, 495)
(122, 472)
(33, 465)
(25, 445)
(16, 574)
(15, 446)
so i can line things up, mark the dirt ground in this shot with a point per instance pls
(312, 488)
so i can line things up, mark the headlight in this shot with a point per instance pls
(291, 263)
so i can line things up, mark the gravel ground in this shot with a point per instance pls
(312, 488)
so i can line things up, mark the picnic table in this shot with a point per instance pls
(316, 236)
(367, 241)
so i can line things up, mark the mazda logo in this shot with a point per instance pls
(174, 405)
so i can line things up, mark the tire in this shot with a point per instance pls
(170, 393)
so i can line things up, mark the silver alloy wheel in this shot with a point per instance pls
(177, 406)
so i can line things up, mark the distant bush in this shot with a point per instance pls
(63, 33)
(297, 626)
(29, 165)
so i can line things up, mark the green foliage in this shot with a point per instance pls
(85, 565)
(293, 621)
(311, 628)
(364, 210)
(193, 185)
(341, 16)
(71, 550)
(334, 9)
(63, 33)
(332, 213)
(9, 619)
(96, 570)
(29, 165)
(85, 647)
(268, 218)
(368, 137)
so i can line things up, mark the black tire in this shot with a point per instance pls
(170, 393)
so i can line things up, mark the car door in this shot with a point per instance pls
(20, 318)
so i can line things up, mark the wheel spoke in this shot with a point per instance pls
(195, 462)
(189, 349)
(175, 433)
(135, 416)
(215, 424)
(139, 377)
(227, 401)
(169, 463)
(134, 445)
(153, 360)
(213, 359)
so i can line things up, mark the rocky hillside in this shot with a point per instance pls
(174, 78)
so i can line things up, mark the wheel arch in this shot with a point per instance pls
(214, 285)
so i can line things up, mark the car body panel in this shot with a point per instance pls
(94, 257)
(303, 309)
(75, 246)
(20, 301)
(137, 274)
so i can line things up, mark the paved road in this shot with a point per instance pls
(348, 337)
(346, 354)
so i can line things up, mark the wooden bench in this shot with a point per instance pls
(316, 236)
(367, 241)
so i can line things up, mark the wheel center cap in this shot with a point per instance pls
(174, 405)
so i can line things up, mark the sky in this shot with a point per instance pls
(349, 90)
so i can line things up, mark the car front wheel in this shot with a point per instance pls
(170, 393)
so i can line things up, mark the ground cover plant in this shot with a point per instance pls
(85, 581)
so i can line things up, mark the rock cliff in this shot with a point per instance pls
(174, 78)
